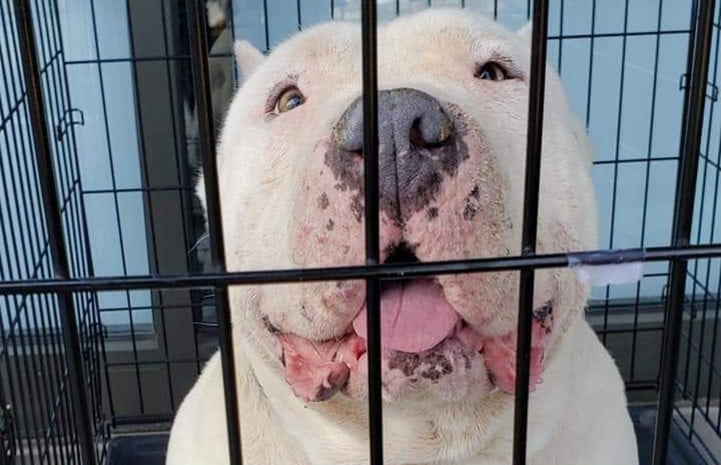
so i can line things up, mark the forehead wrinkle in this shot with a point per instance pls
(450, 41)
(316, 48)
(436, 55)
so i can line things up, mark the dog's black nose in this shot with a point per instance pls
(416, 143)
(408, 119)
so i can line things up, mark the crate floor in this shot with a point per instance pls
(149, 449)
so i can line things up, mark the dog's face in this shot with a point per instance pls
(452, 114)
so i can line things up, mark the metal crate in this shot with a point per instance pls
(72, 377)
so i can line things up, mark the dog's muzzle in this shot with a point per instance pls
(417, 143)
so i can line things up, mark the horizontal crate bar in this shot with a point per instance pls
(391, 271)
(641, 385)
(597, 35)
(134, 420)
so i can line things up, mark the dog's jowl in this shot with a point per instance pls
(452, 113)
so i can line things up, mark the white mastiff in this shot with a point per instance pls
(453, 109)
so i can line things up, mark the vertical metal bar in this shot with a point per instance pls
(35, 359)
(683, 218)
(717, 313)
(28, 260)
(114, 185)
(22, 183)
(647, 178)
(559, 66)
(370, 159)
(24, 414)
(616, 163)
(266, 25)
(706, 293)
(201, 77)
(16, 397)
(184, 209)
(31, 71)
(54, 73)
(87, 255)
(689, 64)
(714, 217)
(530, 223)
(589, 85)
(231, 16)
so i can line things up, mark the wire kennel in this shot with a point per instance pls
(71, 386)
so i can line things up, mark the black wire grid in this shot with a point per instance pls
(57, 397)
(62, 372)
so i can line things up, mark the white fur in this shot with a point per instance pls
(577, 415)
(215, 12)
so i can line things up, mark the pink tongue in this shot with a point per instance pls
(415, 316)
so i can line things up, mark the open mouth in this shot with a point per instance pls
(415, 314)
(416, 320)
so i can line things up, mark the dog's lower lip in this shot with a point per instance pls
(317, 369)
(269, 326)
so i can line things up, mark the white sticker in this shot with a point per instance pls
(606, 267)
(603, 275)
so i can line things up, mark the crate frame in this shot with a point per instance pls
(677, 254)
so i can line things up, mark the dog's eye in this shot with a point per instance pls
(289, 99)
(491, 71)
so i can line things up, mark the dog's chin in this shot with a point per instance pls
(450, 371)
(428, 352)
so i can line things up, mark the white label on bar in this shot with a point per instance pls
(602, 275)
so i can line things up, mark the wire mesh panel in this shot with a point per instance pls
(699, 385)
(37, 415)
(137, 95)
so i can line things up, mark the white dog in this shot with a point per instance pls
(453, 110)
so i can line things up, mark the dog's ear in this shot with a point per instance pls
(215, 14)
(525, 31)
(247, 58)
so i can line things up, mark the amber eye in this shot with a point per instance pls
(491, 71)
(289, 99)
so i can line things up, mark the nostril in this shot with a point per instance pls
(416, 136)
(430, 131)
(348, 130)
(446, 130)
